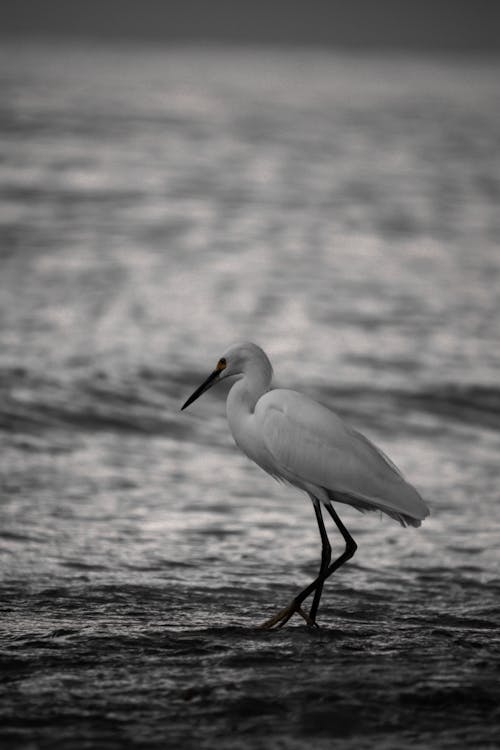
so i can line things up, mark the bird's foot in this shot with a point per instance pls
(282, 617)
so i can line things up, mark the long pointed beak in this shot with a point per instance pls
(208, 383)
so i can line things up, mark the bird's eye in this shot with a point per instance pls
(221, 364)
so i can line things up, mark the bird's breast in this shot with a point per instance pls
(244, 428)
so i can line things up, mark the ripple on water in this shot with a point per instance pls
(139, 550)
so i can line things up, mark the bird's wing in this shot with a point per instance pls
(311, 444)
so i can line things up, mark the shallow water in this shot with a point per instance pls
(342, 212)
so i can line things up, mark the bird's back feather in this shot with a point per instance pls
(310, 445)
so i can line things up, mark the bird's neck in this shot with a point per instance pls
(248, 389)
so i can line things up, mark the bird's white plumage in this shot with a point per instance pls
(313, 448)
(302, 442)
(297, 440)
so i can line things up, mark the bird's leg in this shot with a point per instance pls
(350, 549)
(282, 617)
(350, 544)
(326, 556)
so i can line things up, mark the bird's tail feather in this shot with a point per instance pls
(365, 506)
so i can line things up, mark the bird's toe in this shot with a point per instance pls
(281, 618)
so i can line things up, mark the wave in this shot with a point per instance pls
(477, 404)
(147, 402)
(31, 403)
(471, 404)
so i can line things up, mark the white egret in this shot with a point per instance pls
(301, 442)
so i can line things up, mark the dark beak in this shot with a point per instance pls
(208, 383)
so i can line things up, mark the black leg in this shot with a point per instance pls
(326, 556)
(350, 544)
(350, 549)
(282, 617)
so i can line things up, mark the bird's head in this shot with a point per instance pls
(238, 359)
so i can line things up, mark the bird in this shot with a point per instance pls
(305, 444)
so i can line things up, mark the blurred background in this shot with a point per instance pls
(322, 179)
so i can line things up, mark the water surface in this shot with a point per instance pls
(156, 206)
